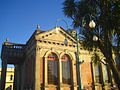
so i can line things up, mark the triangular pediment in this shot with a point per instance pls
(56, 37)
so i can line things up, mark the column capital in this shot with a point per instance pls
(45, 84)
(75, 84)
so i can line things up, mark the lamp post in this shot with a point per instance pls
(57, 31)
(78, 62)
(95, 38)
(91, 25)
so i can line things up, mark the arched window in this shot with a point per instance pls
(52, 69)
(66, 69)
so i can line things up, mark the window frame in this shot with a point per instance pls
(53, 58)
(98, 67)
(66, 58)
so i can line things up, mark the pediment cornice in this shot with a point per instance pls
(55, 37)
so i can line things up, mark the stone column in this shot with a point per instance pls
(3, 74)
(60, 74)
(15, 78)
(73, 75)
(103, 77)
(23, 76)
(18, 77)
(93, 70)
(37, 68)
(45, 74)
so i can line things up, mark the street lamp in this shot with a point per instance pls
(56, 29)
(95, 38)
(91, 25)
(78, 62)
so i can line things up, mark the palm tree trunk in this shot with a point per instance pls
(115, 71)
(107, 52)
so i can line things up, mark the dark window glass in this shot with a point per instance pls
(11, 77)
(105, 73)
(97, 73)
(52, 69)
(66, 68)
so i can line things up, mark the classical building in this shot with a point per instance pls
(9, 78)
(46, 63)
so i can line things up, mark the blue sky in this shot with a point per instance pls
(19, 18)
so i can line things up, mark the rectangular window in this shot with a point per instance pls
(105, 73)
(97, 73)
(66, 72)
(52, 72)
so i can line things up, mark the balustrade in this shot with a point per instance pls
(14, 52)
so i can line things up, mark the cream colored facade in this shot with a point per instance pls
(9, 77)
(31, 73)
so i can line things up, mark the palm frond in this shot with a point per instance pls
(95, 58)
(69, 8)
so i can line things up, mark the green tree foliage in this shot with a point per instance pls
(96, 58)
(106, 14)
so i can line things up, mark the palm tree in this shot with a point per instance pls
(107, 18)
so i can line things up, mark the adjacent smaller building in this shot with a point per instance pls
(9, 78)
